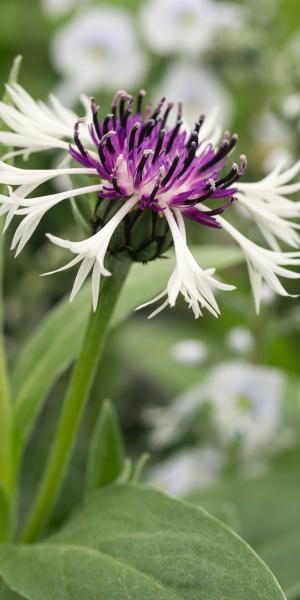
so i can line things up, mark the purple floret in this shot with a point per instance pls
(137, 153)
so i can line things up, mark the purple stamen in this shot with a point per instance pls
(163, 166)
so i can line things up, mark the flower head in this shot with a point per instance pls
(137, 154)
(148, 177)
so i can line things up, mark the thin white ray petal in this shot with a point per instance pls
(91, 252)
(194, 283)
(83, 271)
(264, 264)
(28, 233)
(149, 302)
(69, 265)
(266, 201)
(158, 310)
(36, 125)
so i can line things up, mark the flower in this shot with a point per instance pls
(57, 8)
(148, 177)
(239, 339)
(197, 86)
(86, 45)
(185, 26)
(247, 403)
(189, 352)
(187, 469)
(274, 138)
(246, 406)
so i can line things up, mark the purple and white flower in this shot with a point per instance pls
(145, 166)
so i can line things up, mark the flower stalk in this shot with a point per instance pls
(75, 400)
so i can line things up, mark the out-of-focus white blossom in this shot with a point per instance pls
(58, 8)
(186, 26)
(187, 470)
(189, 352)
(291, 105)
(276, 156)
(97, 49)
(267, 296)
(274, 138)
(247, 403)
(239, 339)
(199, 90)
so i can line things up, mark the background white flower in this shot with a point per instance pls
(199, 90)
(57, 8)
(246, 406)
(239, 339)
(97, 49)
(185, 26)
(189, 352)
(274, 138)
(187, 469)
(246, 402)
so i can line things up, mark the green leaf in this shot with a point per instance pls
(282, 556)
(47, 354)
(258, 503)
(106, 459)
(138, 468)
(133, 542)
(7, 594)
(55, 343)
(268, 518)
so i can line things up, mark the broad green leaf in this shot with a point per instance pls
(106, 459)
(7, 594)
(133, 542)
(45, 357)
(55, 343)
(266, 507)
(268, 518)
(282, 556)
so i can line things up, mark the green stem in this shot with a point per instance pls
(76, 397)
(5, 405)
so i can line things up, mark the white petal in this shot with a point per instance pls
(264, 264)
(69, 265)
(187, 278)
(266, 201)
(83, 271)
(92, 251)
(36, 126)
